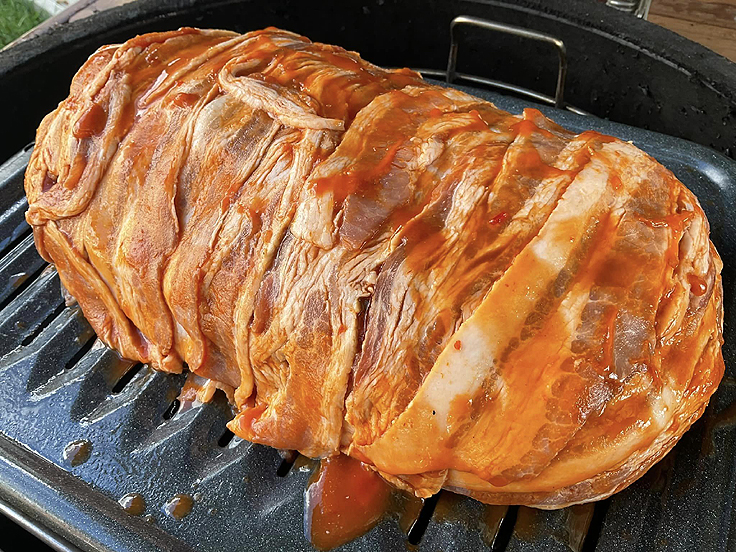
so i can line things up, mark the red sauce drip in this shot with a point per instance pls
(182, 99)
(698, 286)
(340, 58)
(422, 239)
(534, 167)
(91, 123)
(499, 218)
(615, 182)
(477, 116)
(526, 127)
(352, 180)
(342, 93)
(672, 257)
(344, 500)
(607, 351)
(676, 221)
(401, 215)
(460, 409)
(597, 137)
(594, 140)
(458, 345)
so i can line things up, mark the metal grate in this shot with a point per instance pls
(59, 385)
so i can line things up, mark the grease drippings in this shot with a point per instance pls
(304, 463)
(576, 525)
(405, 508)
(77, 452)
(454, 508)
(133, 503)
(528, 527)
(179, 506)
(490, 522)
(344, 500)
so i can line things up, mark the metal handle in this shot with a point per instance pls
(517, 31)
(640, 8)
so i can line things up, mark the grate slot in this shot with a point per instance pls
(18, 269)
(104, 369)
(67, 385)
(492, 523)
(28, 339)
(13, 203)
(13, 225)
(562, 530)
(195, 428)
(29, 310)
(288, 457)
(590, 543)
(418, 528)
(148, 389)
(72, 362)
(12, 173)
(126, 378)
(502, 538)
(56, 345)
(225, 438)
(171, 411)
(17, 266)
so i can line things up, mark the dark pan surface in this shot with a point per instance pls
(58, 385)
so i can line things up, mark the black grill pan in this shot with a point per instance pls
(59, 385)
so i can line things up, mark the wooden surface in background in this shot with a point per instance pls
(711, 23)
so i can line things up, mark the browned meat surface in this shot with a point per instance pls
(365, 263)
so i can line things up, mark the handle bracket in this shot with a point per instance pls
(466, 20)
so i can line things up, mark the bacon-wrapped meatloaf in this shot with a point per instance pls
(460, 297)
